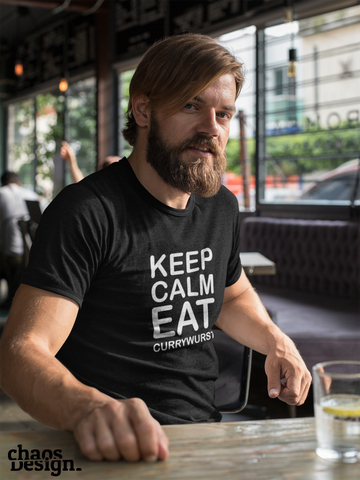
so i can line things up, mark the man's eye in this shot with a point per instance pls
(224, 115)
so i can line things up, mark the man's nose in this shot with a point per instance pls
(208, 123)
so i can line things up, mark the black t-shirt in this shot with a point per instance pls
(149, 280)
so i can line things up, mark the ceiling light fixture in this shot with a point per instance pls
(63, 85)
(19, 68)
(289, 18)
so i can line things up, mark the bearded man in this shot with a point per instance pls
(110, 334)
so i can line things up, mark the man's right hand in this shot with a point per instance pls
(121, 429)
(38, 325)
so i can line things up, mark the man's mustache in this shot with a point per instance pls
(202, 141)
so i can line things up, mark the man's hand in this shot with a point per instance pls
(38, 325)
(288, 378)
(244, 318)
(121, 429)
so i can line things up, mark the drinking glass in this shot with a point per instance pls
(337, 410)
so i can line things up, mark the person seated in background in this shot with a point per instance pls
(68, 154)
(12, 209)
(110, 334)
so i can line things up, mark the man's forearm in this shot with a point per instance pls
(245, 319)
(43, 387)
(103, 427)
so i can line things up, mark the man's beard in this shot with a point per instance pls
(202, 176)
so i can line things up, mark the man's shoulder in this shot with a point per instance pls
(227, 194)
(107, 178)
(223, 199)
(98, 192)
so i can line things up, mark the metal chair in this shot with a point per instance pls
(232, 385)
(28, 230)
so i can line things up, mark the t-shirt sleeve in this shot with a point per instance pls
(68, 245)
(234, 265)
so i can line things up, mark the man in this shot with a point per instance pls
(111, 332)
(12, 209)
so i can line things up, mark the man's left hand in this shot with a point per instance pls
(244, 318)
(288, 377)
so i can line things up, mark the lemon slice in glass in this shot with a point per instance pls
(342, 406)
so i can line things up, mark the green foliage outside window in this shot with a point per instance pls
(50, 109)
(290, 152)
(25, 148)
(81, 107)
(21, 140)
(125, 148)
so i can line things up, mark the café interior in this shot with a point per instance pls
(293, 160)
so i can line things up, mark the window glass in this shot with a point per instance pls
(313, 118)
(49, 133)
(124, 79)
(80, 124)
(36, 158)
(240, 150)
(21, 127)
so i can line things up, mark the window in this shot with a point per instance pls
(80, 124)
(312, 135)
(240, 175)
(124, 79)
(36, 128)
(21, 136)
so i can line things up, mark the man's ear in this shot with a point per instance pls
(141, 110)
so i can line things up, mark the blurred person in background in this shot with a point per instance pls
(68, 154)
(12, 209)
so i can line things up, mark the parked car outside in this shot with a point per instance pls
(337, 185)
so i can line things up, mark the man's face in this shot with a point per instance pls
(187, 149)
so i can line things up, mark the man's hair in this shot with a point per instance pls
(175, 70)
(9, 177)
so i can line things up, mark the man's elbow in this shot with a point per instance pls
(9, 351)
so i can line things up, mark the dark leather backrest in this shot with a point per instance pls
(315, 256)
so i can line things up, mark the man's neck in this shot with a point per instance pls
(154, 184)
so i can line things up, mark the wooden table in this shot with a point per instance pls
(255, 263)
(258, 450)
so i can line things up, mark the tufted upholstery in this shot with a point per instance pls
(315, 295)
(315, 256)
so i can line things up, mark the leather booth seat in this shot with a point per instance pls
(315, 295)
